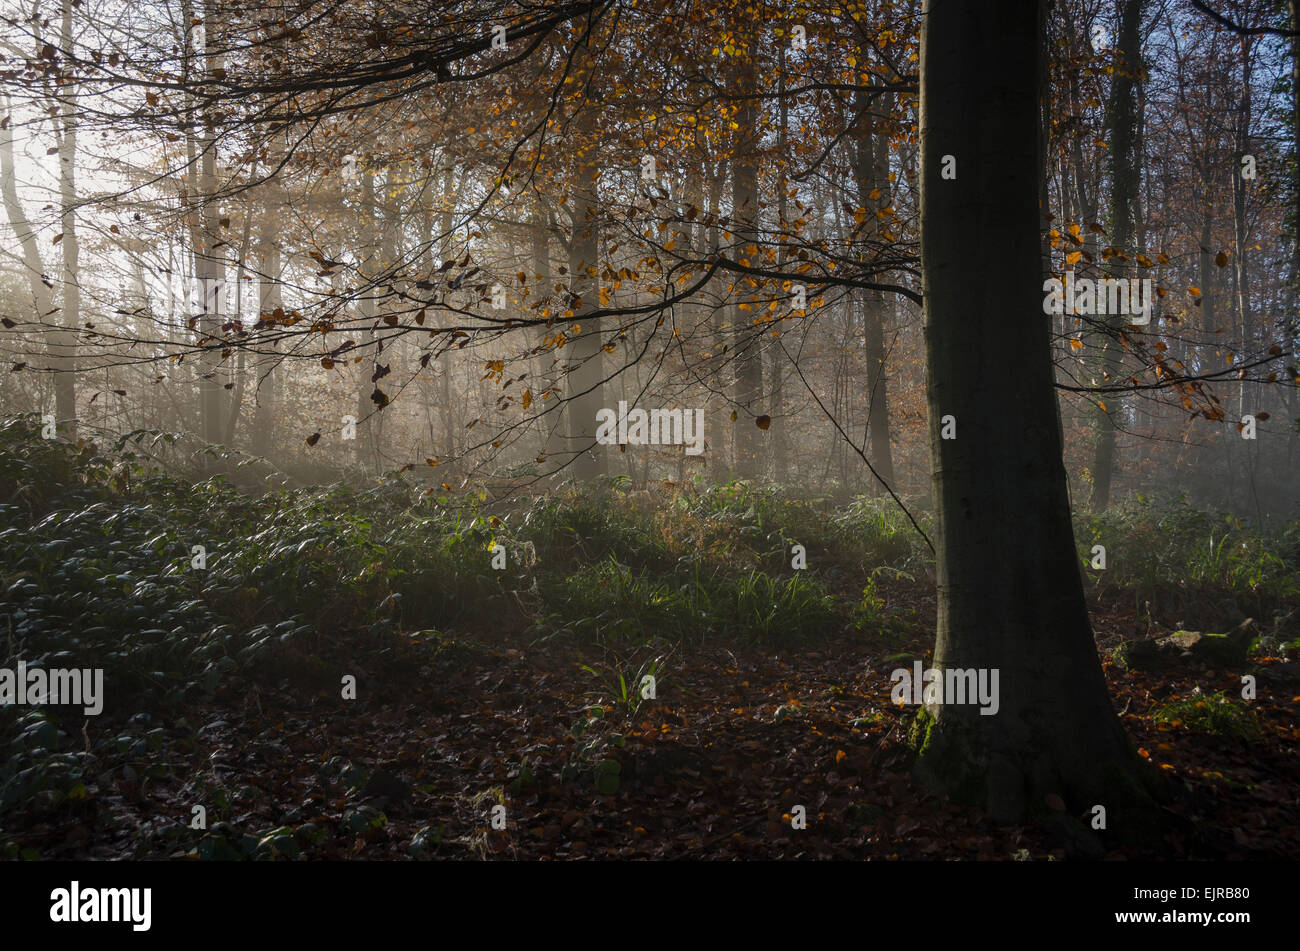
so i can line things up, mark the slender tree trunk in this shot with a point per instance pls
(268, 413)
(746, 339)
(367, 408)
(780, 427)
(543, 359)
(1124, 186)
(1009, 584)
(42, 300)
(237, 394)
(209, 263)
(718, 334)
(585, 387)
(65, 380)
(1293, 323)
(1241, 240)
(874, 197)
(447, 393)
(1207, 277)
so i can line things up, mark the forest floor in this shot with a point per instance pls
(712, 768)
(347, 675)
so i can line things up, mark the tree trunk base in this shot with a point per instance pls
(1050, 782)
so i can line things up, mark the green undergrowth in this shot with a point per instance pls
(186, 592)
(1186, 565)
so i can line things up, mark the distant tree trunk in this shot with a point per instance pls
(1124, 187)
(873, 195)
(718, 329)
(1294, 11)
(367, 408)
(746, 339)
(1241, 238)
(65, 380)
(209, 263)
(237, 395)
(268, 415)
(584, 386)
(1010, 589)
(778, 434)
(42, 300)
(1207, 276)
(447, 395)
(1293, 393)
(541, 285)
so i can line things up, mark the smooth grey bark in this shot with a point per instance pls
(1009, 585)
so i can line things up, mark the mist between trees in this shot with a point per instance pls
(302, 242)
(464, 228)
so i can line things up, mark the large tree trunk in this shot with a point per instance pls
(1010, 591)
(1124, 186)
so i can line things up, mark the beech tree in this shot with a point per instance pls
(1010, 593)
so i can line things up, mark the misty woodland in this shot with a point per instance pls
(648, 429)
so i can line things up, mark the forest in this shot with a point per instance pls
(649, 429)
